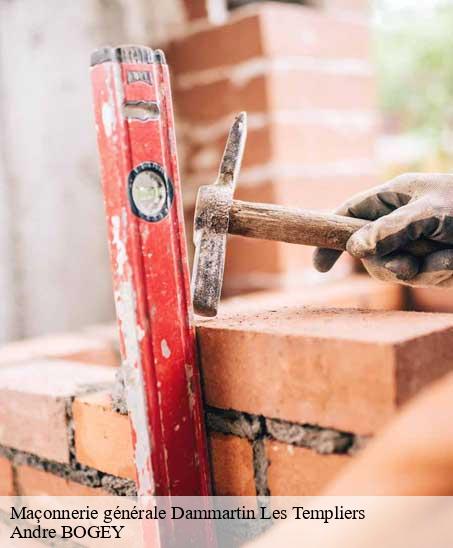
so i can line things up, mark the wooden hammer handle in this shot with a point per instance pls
(302, 226)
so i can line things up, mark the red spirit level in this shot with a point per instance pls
(135, 130)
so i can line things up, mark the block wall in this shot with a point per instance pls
(292, 393)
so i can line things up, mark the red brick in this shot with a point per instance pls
(6, 478)
(315, 144)
(324, 192)
(271, 30)
(283, 144)
(355, 291)
(346, 369)
(220, 98)
(34, 482)
(296, 471)
(259, 150)
(431, 299)
(302, 31)
(232, 465)
(360, 6)
(79, 347)
(294, 89)
(33, 400)
(195, 9)
(103, 438)
(299, 89)
(228, 44)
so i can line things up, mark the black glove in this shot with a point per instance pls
(409, 207)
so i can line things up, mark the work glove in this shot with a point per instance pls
(407, 208)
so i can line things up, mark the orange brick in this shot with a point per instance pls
(290, 145)
(313, 144)
(345, 369)
(232, 465)
(257, 152)
(361, 6)
(301, 31)
(431, 299)
(34, 482)
(220, 98)
(6, 478)
(103, 438)
(270, 30)
(325, 191)
(299, 89)
(295, 89)
(195, 9)
(79, 347)
(228, 44)
(33, 399)
(296, 471)
(354, 291)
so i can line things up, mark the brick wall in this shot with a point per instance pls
(292, 393)
(305, 77)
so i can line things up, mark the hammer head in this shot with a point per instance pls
(212, 212)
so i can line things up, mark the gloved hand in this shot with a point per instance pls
(409, 207)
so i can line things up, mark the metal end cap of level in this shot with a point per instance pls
(139, 55)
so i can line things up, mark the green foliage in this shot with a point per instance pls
(415, 70)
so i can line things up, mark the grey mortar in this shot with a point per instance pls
(322, 440)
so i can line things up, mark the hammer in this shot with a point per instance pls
(217, 214)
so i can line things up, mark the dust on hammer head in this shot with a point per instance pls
(212, 213)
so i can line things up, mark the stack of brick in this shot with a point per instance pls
(303, 74)
(291, 392)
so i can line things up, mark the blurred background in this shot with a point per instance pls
(341, 95)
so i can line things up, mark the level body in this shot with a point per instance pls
(136, 141)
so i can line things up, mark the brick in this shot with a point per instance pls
(290, 145)
(195, 9)
(296, 471)
(227, 44)
(355, 291)
(270, 30)
(33, 400)
(232, 465)
(293, 89)
(103, 438)
(326, 193)
(298, 89)
(323, 192)
(344, 369)
(282, 23)
(6, 478)
(360, 6)
(34, 482)
(79, 347)
(315, 143)
(220, 98)
(258, 151)
(431, 299)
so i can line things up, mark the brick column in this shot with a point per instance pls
(305, 77)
